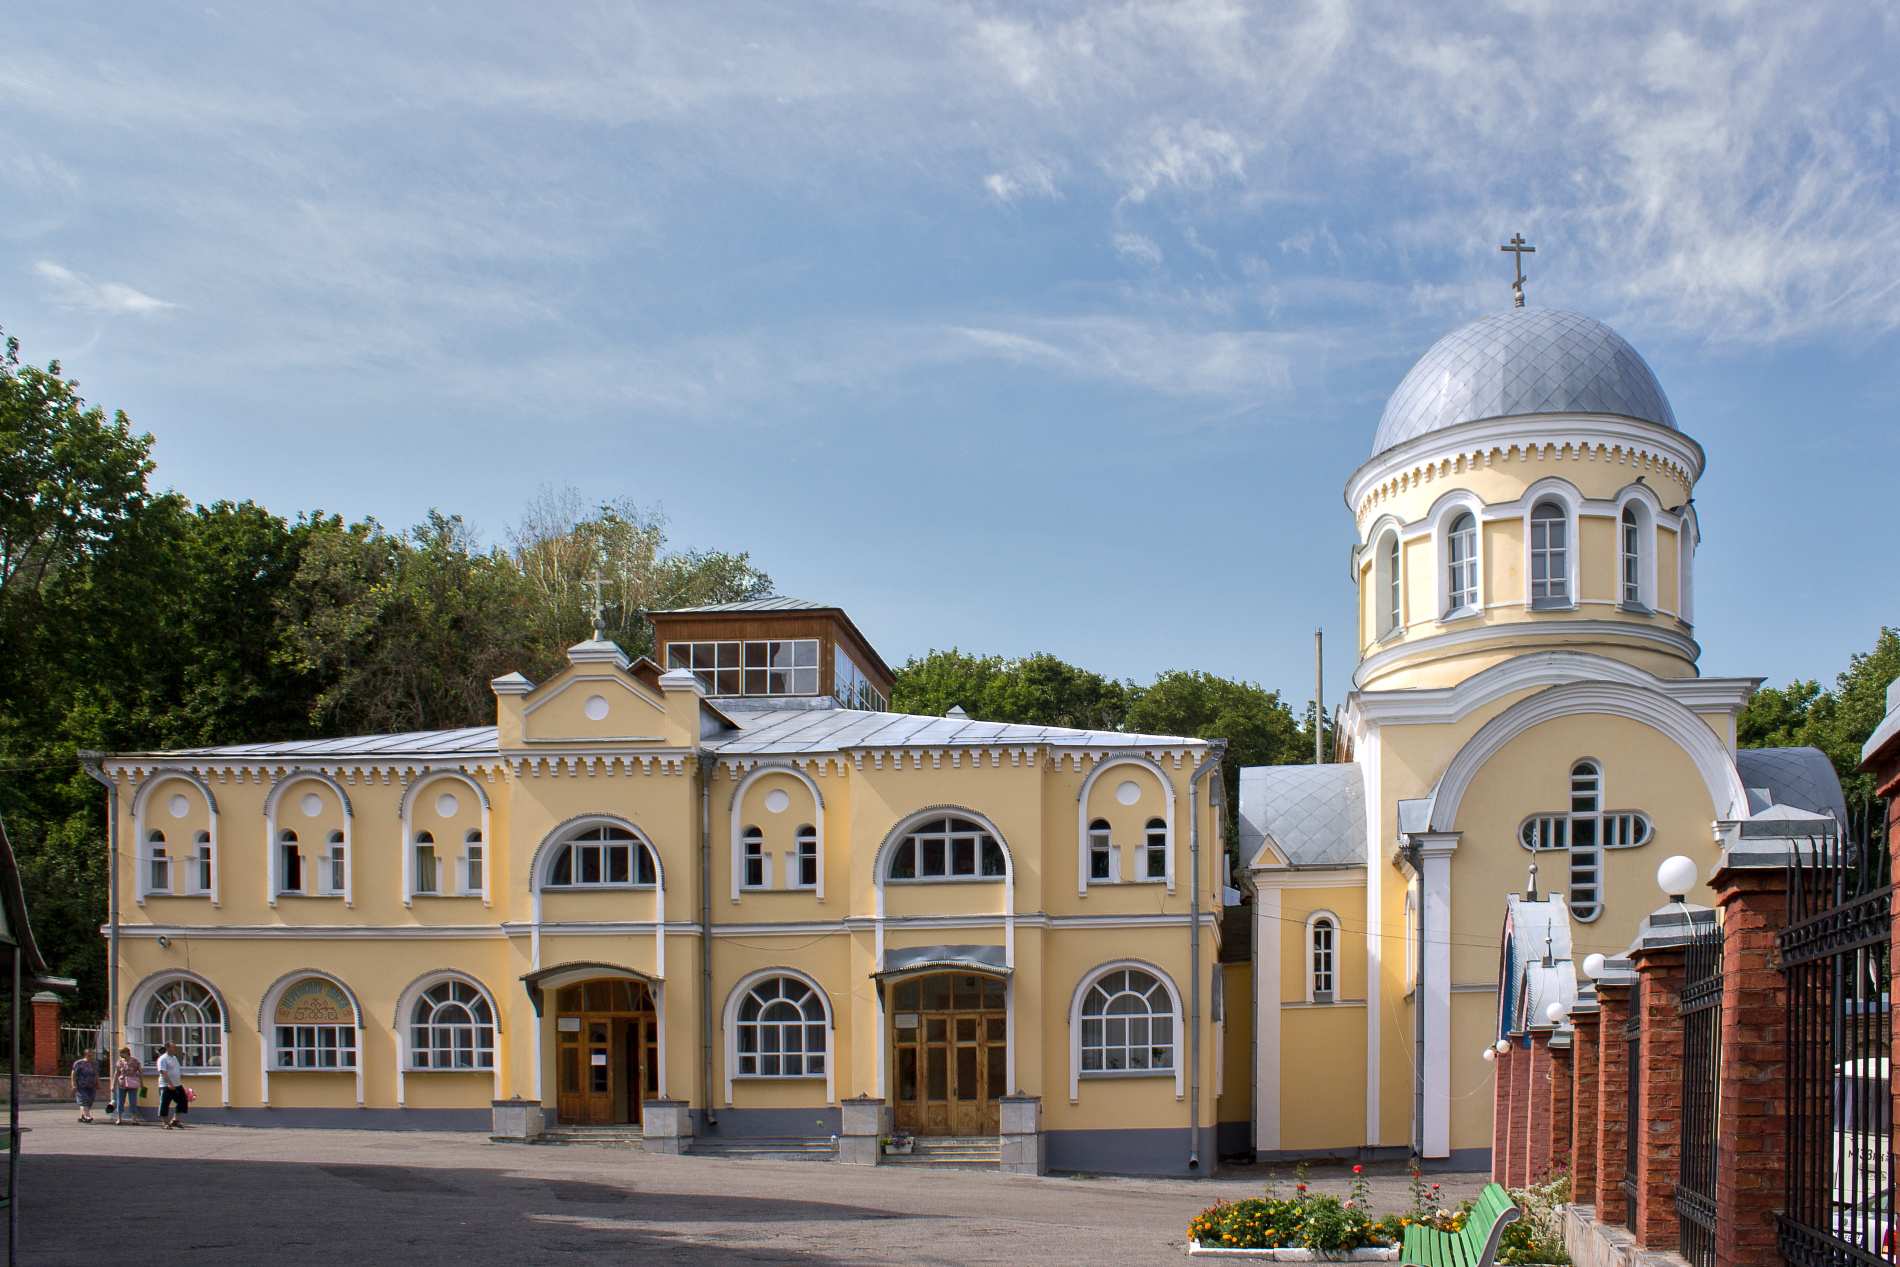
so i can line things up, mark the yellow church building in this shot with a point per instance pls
(1526, 693)
(728, 903)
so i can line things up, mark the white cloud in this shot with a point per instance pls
(1137, 247)
(102, 298)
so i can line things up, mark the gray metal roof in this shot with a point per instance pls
(1522, 361)
(754, 605)
(783, 730)
(1801, 777)
(1315, 815)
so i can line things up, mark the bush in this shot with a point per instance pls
(1538, 1237)
(1303, 1221)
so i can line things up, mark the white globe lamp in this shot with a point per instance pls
(1503, 1046)
(1593, 966)
(1488, 1054)
(1676, 876)
(1554, 1013)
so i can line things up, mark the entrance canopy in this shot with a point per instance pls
(568, 973)
(987, 959)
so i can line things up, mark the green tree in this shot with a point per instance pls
(1838, 720)
(1036, 690)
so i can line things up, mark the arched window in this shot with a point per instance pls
(1101, 850)
(1550, 556)
(201, 863)
(1388, 582)
(474, 872)
(289, 863)
(781, 1031)
(602, 856)
(948, 849)
(1156, 849)
(315, 1027)
(1127, 1025)
(1584, 833)
(1461, 564)
(757, 865)
(1322, 937)
(452, 1027)
(1632, 559)
(427, 881)
(184, 1013)
(334, 864)
(807, 857)
(161, 865)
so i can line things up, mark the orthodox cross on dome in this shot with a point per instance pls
(598, 612)
(1519, 250)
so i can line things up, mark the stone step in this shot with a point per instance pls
(785, 1148)
(951, 1152)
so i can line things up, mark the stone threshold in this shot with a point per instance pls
(1594, 1244)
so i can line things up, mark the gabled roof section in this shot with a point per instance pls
(755, 605)
(831, 729)
(1312, 815)
(1801, 777)
(470, 740)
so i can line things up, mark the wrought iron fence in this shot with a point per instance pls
(1633, 1094)
(1700, 1006)
(1839, 1207)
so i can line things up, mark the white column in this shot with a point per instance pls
(1266, 994)
(1434, 995)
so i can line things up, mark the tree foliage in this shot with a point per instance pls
(1838, 720)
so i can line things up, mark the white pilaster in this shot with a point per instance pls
(1266, 993)
(1434, 858)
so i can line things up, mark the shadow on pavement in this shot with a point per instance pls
(79, 1211)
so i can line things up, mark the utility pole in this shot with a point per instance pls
(1319, 697)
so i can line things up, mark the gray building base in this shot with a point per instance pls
(1129, 1152)
(769, 1123)
(479, 1120)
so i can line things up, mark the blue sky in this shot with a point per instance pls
(1009, 327)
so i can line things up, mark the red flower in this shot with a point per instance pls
(1357, 1169)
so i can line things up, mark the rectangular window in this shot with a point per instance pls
(161, 870)
(336, 868)
(808, 858)
(715, 664)
(1101, 853)
(850, 687)
(473, 861)
(293, 869)
(787, 667)
(1157, 852)
(425, 869)
(1632, 564)
(316, 1047)
(204, 868)
(754, 862)
(1550, 556)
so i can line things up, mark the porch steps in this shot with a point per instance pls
(619, 1136)
(770, 1148)
(951, 1152)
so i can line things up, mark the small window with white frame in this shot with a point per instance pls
(289, 863)
(201, 863)
(1388, 588)
(761, 667)
(1461, 565)
(1550, 556)
(1155, 850)
(1101, 851)
(602, 857)
(1322, 940)
(335, 865)
(474, 863)
(428, 877)
(758, 866)
(806, 876)
(1630, 532)
(452, 1026)
(159, 877)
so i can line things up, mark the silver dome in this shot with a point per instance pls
(1523, 361)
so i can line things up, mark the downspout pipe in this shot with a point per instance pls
(91, 762)
(707, 764)
(1217, 748)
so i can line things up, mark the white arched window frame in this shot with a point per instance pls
(1077, 1002)
(139, 1009)
(1688, 537)
(736, 999)
(735, 809)
(1083, 841)
(1640, 504)
(300, 781)
(1388, 586)
(755, 864)
(452, 867)
(1584, 832)
(267, 1030)
(408, 1015)
(145, 821)
(806, 861)
(1551, 546)
(542, 864)
(1101, 853)
(1321, 957)
(1457, 526)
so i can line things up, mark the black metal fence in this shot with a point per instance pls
(1839, 1207)
(1700, 1007)
(1633, 1093)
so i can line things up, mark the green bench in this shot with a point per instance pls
(1475, 1246)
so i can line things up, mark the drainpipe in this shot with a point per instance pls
(707, 763)
(90, 760)
(1216, 749)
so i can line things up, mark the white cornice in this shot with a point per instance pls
(1460, 641)
(1535, 669)
(1645, 438)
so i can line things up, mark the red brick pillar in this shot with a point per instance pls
(1583, 1106)
(1659, 1112)
(1501, 1117)
(1613, 1006)
(1560, 1097)
(46, 1033)
(1751, 1124)
(1537, 1138)
(1520, 1113)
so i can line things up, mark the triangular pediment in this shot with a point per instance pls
(593, 703)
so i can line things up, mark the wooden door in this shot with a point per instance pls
(950, 1042)
(606, 1052)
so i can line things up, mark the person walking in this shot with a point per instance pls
(172, 1101)
(128, 1078)
(85, 1084)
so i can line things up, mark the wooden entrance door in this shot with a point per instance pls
(607, 1040)
(950, 1036)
